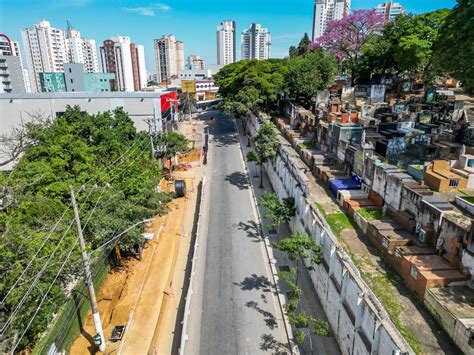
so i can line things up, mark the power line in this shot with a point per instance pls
(43, 299)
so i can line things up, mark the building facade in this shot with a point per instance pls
(169, 57)
(12, 82)
(226, 43)
(389, 10)
(75, 79)
(11, 74)
(46, 50)
(82, 50)
(328, 10)
(256, 43)
(126, 60)
(195, 62)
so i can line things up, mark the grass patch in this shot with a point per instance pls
(372, 214)
(339, 221)
(469, 199)
(305, 145)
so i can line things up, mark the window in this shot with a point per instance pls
(70, 70)
(413, 272)
(72, 82)
(453, 182)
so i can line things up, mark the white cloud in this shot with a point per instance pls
(145, 11)
(149, 10)
(162, 7)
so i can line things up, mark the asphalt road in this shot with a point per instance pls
(233, 308)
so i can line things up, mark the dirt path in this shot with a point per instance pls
(144, 295)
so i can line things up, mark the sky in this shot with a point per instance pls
(191, 21)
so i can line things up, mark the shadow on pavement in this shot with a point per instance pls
(269, 343)
(270, 319)
(255, 282)
(252, 230)
(238, 179)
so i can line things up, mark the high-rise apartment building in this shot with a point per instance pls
(389, 10)
(169, 57)
(126, 60)
(195, 62)
(226, 43)
(82, 50)
(46, 50)
(8, 47)
(256, 43)
(328, 10)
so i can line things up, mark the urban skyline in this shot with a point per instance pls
(133, 21)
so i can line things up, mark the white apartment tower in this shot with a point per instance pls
(169, 57)
(328, 10)
(126, 60)
(256, 43)
(226, 43)
(46, 50)
(389, 10)
(82, 50)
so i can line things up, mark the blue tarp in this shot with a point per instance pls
(352, 183)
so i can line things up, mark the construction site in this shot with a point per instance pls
(141, 301)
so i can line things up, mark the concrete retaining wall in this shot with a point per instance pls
(357, 318)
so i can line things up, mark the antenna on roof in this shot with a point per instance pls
(68, 22)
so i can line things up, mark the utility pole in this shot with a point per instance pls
(88, 277)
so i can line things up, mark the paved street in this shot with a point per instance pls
(234, 309)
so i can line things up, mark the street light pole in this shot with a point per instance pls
(88, 275)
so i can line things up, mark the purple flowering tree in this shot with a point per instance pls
(346, 37)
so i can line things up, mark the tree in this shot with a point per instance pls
(404, 47)
(454, 50)
(346, 37)
(174, 142)
(249, 86)
(300, 246)
(266, 145)
(302, 49)
(278, 211)
(310, 73)
(74, 149)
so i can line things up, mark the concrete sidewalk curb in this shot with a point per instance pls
(184, 335)
(269, 252)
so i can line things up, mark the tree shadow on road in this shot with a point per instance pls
(270, 319)
(251, 227)
(238, 179)
(269, 343)
(255, 282)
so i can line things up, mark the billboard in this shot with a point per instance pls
(168, 99)
(188, 86)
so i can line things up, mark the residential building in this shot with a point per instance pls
(12, 66)
(389, 10)
(76, 79)
(328, 10)
(256, 43)
(169, 57)
(201, 90)
(195, 62)
(8, 47)
(46, 50)
(11, 74)
(226, 43)
(82, 50)
(126, 60)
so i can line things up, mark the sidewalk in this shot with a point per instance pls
(310, 301)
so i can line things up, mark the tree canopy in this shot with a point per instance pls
(74, 149)
(454, 50)
(302, 49)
